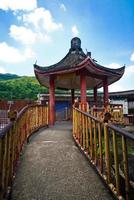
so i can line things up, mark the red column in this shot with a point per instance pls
(83, 87)
(51, 101)
(95, 96)
(72, 96)
(105, 89)
(83, 91)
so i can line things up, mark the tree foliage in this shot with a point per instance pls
(21, 88)
(16, 87)
(8, 76)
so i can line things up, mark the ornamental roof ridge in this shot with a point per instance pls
(74, 62)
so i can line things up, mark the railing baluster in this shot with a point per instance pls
(8, 158)
(4, 187)
(116, 162)
(83, 131)
(80, 129)
(76, 118)
(125, 162)
(86, 124)
(11, 154)
(100, 148)
(1, 166)
(91, 138)
(107, 154)
(95, 143)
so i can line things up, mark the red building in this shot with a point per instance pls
(76, 70)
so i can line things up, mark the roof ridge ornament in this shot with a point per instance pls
(76, 44)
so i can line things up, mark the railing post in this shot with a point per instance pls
(125, 162)
(1, 167)
(4, 165)
(11, 154)
(8, 159)
(91, 138)
(100, 148)
(95, 143)
(107, 154)
(79, 125)
(116, 161)
(73, 117)
(83, 131)
(86, 135)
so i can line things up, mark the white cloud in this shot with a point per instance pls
(2, 70)
(42, 20)
(18, 4)
(9, 54)
(19, 18)
(28, 53)
(132, 57)
(126, 82)
(22, 34)
(114, 65)
(129, 70)
(63, 7)
(44, 37)
(75, 31)
(27, 36)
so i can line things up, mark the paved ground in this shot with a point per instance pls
(52, 168)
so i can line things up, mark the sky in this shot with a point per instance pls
(41, 30)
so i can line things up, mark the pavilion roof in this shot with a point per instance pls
(67, 71)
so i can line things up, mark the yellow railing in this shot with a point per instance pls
(12, 139)
(116, 111)
(109, 148)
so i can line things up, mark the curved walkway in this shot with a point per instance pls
(52, 168)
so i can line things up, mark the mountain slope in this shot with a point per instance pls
(8, 76)
(20, 88)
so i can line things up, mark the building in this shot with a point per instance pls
(77, 70)
(126, 98)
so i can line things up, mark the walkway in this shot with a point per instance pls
(52, 168)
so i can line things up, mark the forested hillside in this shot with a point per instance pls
(15, 87)
(8, 76)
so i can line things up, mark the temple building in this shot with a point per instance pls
(76, 70)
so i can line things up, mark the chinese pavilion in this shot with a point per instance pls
(76, 70)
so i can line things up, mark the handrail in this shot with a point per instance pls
(12, 139)
(109, 148)
(119, 130)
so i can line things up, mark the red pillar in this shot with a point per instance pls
(105, 89)
(72, 96)
(95, 96)
(51, 101)
(83, 91)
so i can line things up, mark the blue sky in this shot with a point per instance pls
(41, 30)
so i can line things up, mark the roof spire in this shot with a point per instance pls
(76, 43)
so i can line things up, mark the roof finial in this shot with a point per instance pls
(76, 43)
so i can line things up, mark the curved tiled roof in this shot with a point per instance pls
(75, 61)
